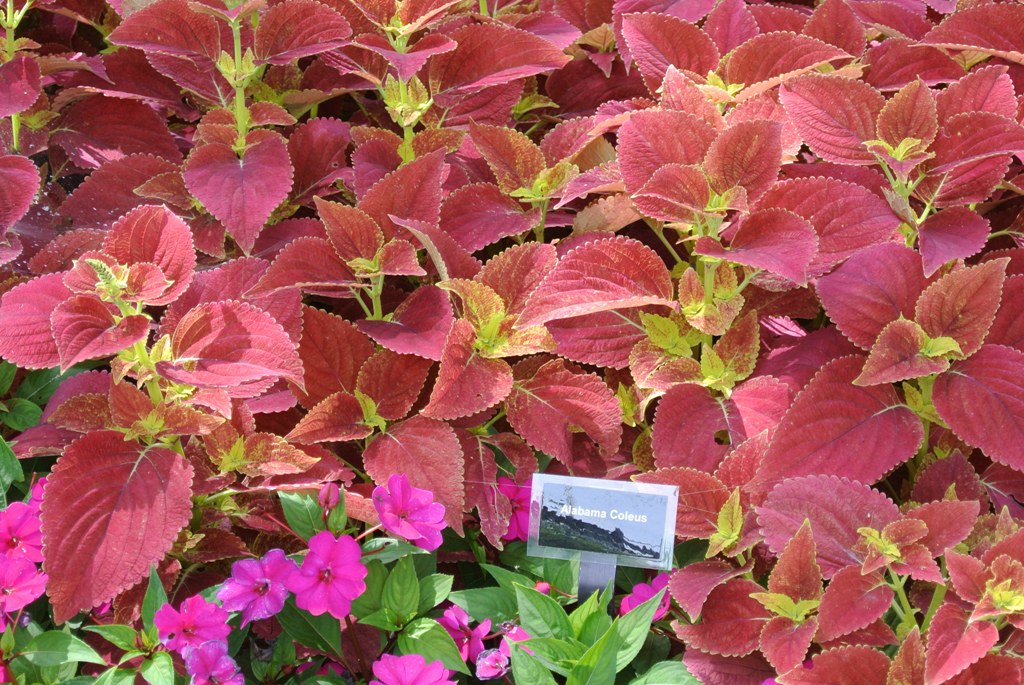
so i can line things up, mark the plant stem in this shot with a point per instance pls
(659, 231)
(11, 21)
(897, 585)
(241, 111)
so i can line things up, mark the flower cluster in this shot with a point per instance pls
(21, 550)
(519, 497)
(411, 669)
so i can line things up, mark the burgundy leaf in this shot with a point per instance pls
(85, 328)
(154, 235)
(317, 150)
(897, 356)
(19, 85)
(332, 351)
(338, 417)
(713, 669)
(731, 620)
(701, 497)
(410, 61)
(995, 30)
(513, 158)
(657, 41)
(775, 240)
(859, 665)
(19, 181)
(963, 304)
(954, 233)
(986, 89)
(852, 601)
(837, 24)
(419, 326)
(170, 27)
(298, 28)
(834, 115)
(310, 264)
(784, 643)
(479, 214)
(949, 523)
(25, 319)
(109, 191)
(393, 381)
(411, 193)
(730, 25)
(954, 643)
(769, 59)
(604, 339)
(898, 61)
(515, 273)
(467, 383)
(747, 154)
(686, 423)
(353, 234)
(909, 663)
(651, 139)
(1008, 327)
(99, 129)
(691, 584)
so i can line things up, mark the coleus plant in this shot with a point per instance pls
(768, 253)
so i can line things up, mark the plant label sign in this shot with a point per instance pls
(632, 524)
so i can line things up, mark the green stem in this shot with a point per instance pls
(11, 21)
(897, 585)
(933, 606)
(483, 7)
(497, 417)
(375, 291)
(709, 282)
(659, 231)
(359, 298)
(538, 230)
(241, 111)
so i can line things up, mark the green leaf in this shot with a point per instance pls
(402, 590)
(384, 619)
(598, 665)
(282, 656)
(386, 550)
(941, 347)
(337, 519)
(158, 669)
(528, 669)
(121, 636)
(542, 616)
(495, 603)
(633, 628)
(506, 578)
(560, 656)
(303, 514)
(370, 601)
(590, 620)
(10, 470)
(319, 632)
(434, 589)
(154, 599)
(7, 373)
(116, 676)
(54, 647)
(729, 524)
(21, 414)
(428, 638)
(40, 385)
(666, 673)
(563, 574)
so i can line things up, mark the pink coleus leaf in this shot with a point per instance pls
(332, 351)
(109, 192)
(691, 584)
(769, 59)
(775, 240)
(658, 41)
(513, 158)
(229, 343)
(991, 669)
(835, 22)
(491, 503)
(298, 28)
(112, 509)
(311, 265)
(686, 423)
(515, 273)
(170, 27)
(949, 523)
(966, 139)
(604, 338)
(25, 319)
(784, 642)
(338, 417)
(675, 192)
(830, 417)
(132, 409)
(84, 327)
(852, 601)
(872, 289)
(156, 236)
(548, 404)
(954, 233)
(604, 275)
(836, 508)
(467, 383)
(419, 325)
(701, 497)
(241, 191)
(834, 115)
(713, 669)
(909, 663)
(985, 89)
(413, 192)
(317, 150)
(982, 400)
(748, 154)
(99, 129)
(730, 25)
(910, 113)
(19, 181)
(353, 234)
(393, 381)
(858, 665)
(954, 643)
(19, 85)
(898, 354)
(962, 304)
(1008, 327)
(408, 62)
(479, 214)
(995, 30)
(731, 620)
(898, 61)
(651, 139)
(428, 452)
(796, 573)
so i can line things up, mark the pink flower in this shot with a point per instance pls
(643, 592)
(21, 583)
(209, 664)
(257, 586)
(19, 532)
(331, 576)
(195, 622)
(469, 641)
(513, 634)
(542, 587)
(411, 669)
(519, 524)
(409, 512)
(329, 497)
(35, 498)
(491, 664)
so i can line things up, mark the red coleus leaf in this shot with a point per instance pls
(515, 273)
(985, 89)
(493, 506)
(834, 115)
(241, 191)
(413, 192)
(910, 113)
(836, 508)
(480, 214)
(651, 139)
(491, 54)
(748, 154)
(109, 191)
(767, 60)
(852, 601)
(317, 150)
(393, 381)
(604, 339)
(962, 305)
(154, 235)
(1008, 327)
(954, 643)
(298, 28)
(229, 343)
(992, 669)
(701, 497)
(949, 523)
(796, 574)
(860, 665)
(898, 354)
(548, 404)
(995, 30)
(99, 129)
(419, 326)
(170, 27)
(686, 423)
(834, 22)
(713, 669)
(19, 85)
(603, 275)
(351, 231)
(676, 192)
(963, 142)
(932, 483)
(830, 417)
(332, 351)
(513, 158)
(873, 288)
(847, 217)
(897, 61)
(84, 327)
(954, 233)
(428, 452)
(658, 41)
(982, 400)
(25, 319)
(408, 62)
(311, 265)
(338, 417)
(467, 383)
(113, 508)
(19, 181)
(784, 642)
(691, 584)
(731, 620)
(908, 665)
(130, 408)
(730, 25)
(775, 240)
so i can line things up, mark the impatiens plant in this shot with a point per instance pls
(297, 295)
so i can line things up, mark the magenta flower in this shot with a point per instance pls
(257, 586)
(35, 497)
(513, 634)
(19, 532)
(409, 512)
(329, 496)
(209, 664)
(331, 576)
(519, 524)
(491, 664)
(195, 622)
(21, 583)
(643, 592)
(470, 641)
(411, 669)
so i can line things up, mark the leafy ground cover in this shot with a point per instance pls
(298, 295)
